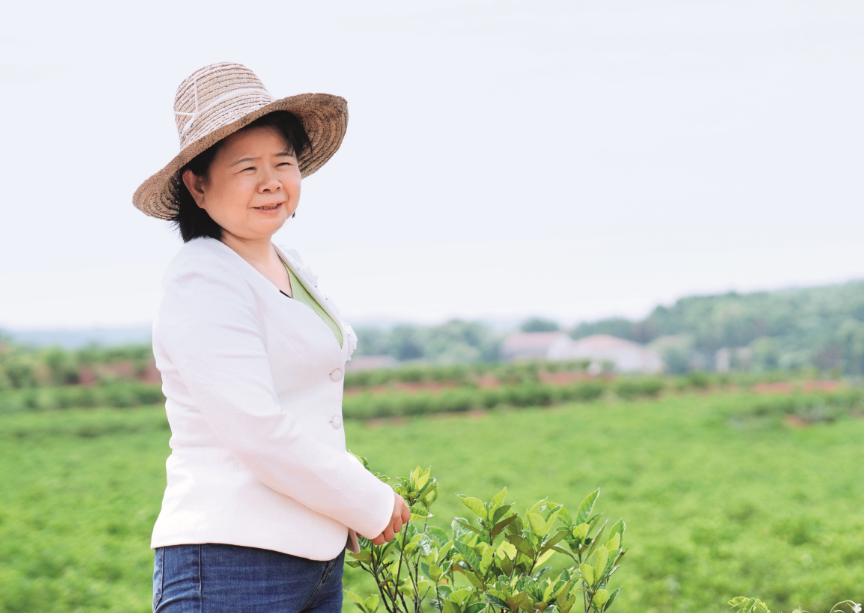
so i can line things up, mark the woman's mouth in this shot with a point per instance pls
(271, 207)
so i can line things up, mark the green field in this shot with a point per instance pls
(719, 500)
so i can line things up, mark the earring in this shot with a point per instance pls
(294, 214)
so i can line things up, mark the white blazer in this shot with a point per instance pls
(253, 381)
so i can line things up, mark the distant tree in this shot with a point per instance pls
(766, 354)
(373, 341)
(461, 341)
(62, 366)
(615, 326)
(537, 324)
(676, 360)
(406, 343)
(851, 337)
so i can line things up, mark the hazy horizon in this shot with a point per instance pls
(74, 337)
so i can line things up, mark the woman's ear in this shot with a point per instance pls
(195, 185)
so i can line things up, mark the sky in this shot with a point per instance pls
(503, 159)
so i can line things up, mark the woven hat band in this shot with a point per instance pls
(225, 109)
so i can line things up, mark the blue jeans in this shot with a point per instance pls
(215, 578)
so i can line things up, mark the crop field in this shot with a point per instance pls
(723, 493)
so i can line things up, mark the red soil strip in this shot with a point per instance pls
(563, 378)
(419, 386)
(785, 387)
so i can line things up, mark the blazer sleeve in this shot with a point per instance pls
(209, 327)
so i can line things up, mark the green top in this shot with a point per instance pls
(302, 294)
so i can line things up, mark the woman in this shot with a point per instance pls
(262, 496)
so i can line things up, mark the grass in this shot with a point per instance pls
(721, 497)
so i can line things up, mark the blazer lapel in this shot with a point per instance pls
(311, 285)
(310, 282)
(277, 305)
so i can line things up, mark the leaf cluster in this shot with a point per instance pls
(495, 562)
(745, 604)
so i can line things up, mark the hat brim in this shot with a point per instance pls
(324, 116)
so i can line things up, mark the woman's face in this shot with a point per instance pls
(253, 184)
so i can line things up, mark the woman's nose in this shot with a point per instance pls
(269, 183)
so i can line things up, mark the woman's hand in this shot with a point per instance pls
(400, 517)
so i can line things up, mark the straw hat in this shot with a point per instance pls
(218, 100)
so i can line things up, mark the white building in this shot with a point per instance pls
(600, 349)
(536, 346)
(625, 356)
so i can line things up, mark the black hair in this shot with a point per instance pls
(191, 220)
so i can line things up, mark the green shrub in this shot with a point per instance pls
(495, 563)
(583, 391)
(638, 387)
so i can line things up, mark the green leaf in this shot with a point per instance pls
(564, 516)
(506, 564)
(438, 533)
(498, 499)
(419, 513)
(474, 580)
(601, 597)
(450, 607)
(545, 556)
(362, 556)
(587, 573)
(614, 543)
(516, 600)
(618, 529)
(475, 607)
(357, 600)
(521, 544)
(580, 531)
(466, 551)
(600, 558)
(422, 479)
(424, 587)
(499, 527)
(565, 604)
(500, 512)
(372, 603)
(554, 539)
(586, 507)
(475, 505)
(467, 525)
(613, 597)
(497, 602)
(460, 595)
(428, 494)
(435, 572)
(506, 549)
(748, 605)
(596, 540)
(486, 560)
(538, 524)
(537, 506)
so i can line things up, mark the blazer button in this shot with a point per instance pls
(336, 375)
(336, 421)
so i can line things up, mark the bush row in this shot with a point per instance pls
(811, 408)
(367, 406)
(505, 372)
(118, 395)
(529, 371)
